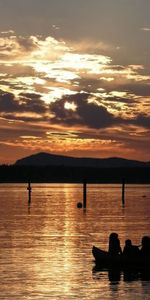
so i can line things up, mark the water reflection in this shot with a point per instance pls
(117, 275)
(46, 244)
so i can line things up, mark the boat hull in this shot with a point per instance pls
(104, 259)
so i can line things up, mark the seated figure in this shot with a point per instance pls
(114, 244)
(145, 250)
(130, 250)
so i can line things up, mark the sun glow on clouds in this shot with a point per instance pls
(47, 84)
(29, 137)
(55, 93)
(89, 62)
(28, 81)
(70, 105)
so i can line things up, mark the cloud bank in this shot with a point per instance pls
(65, 97)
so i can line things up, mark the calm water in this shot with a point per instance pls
(45, 249)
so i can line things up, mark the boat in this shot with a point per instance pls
(104, 259)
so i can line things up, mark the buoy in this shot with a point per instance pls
(79, 205)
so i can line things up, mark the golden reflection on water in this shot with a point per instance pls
(46, 249)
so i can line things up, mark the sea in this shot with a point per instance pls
(46, 241)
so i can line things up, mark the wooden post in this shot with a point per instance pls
(123, 192)
(29, 191)
(84, 193)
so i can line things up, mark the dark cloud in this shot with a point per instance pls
(26, 103)
(86, 114)
(7, 102)
(92, 115)
(33, 103)
(142, 120)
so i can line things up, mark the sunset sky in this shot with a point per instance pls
(75, 78)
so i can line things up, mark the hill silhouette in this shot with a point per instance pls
(45, 167)
(46, 159)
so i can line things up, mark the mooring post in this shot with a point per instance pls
(84, 193)
(123, 192)
(29, 191)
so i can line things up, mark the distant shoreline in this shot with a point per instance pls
(63, 174)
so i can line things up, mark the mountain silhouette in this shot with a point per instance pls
(47, 159)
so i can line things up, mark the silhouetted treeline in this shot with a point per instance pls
(64, 174)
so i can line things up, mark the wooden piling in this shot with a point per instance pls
(29, 191)
(123, 192)
(84, 193)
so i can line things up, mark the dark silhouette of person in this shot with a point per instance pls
(130, 250)
(145, 250)
(114, 244)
